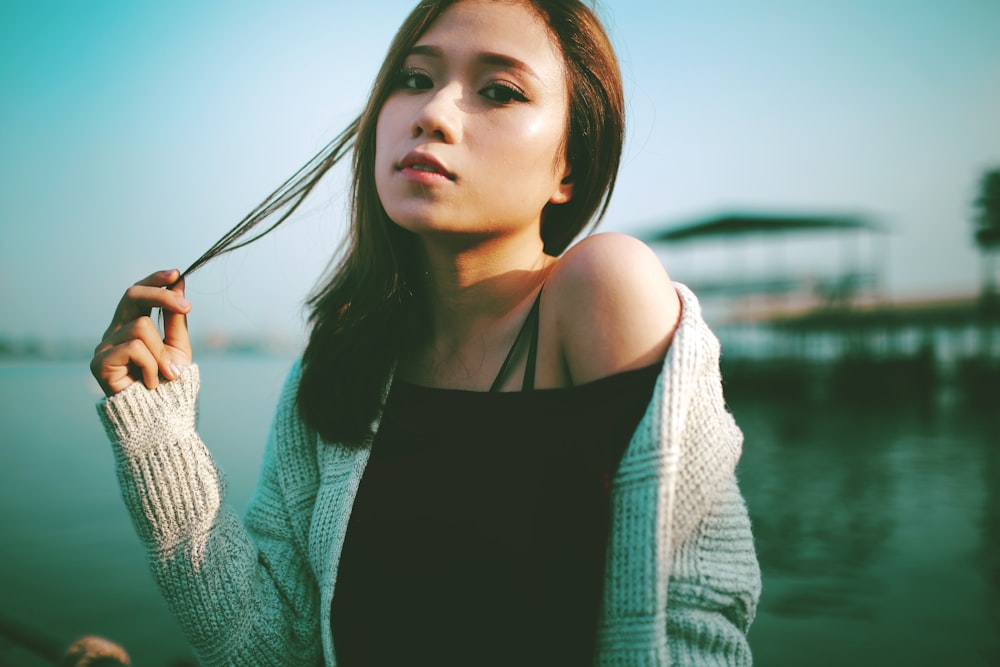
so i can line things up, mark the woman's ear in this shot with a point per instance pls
(565, 190)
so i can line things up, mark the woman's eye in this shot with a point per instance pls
(503, 93)
(413, 80)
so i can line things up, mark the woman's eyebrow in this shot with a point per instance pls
(485, 57)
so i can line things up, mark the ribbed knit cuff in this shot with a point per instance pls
(169, 482)
(133, 413)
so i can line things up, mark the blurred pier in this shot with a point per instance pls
(798, 304)
(889, 351)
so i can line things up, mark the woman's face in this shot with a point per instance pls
(472, 139)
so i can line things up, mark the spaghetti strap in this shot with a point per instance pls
(530, 327)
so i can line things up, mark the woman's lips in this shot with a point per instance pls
(424, 167)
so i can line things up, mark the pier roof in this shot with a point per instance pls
(739, 224)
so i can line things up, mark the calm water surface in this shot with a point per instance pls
(878, 532)
(878, 527)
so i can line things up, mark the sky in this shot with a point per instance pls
(134, 134)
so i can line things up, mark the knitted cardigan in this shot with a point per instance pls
(681, 580)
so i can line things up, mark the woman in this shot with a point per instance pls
(493, 451)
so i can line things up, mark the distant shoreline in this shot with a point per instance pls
(32, 349)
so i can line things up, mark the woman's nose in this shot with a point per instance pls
(439, 115)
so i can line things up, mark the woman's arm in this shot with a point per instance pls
(242, 594)
(714, 586)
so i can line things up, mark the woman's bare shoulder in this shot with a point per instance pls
(615, 306)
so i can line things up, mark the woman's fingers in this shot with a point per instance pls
(175, 332)
(133, 347)
(169, 360)
(142, 328)
(149, 293)
(117, 367)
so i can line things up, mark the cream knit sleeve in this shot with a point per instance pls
(243, 595)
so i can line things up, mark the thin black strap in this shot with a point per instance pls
(528, 384)
(530, 326)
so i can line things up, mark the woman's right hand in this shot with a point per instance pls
(132, 348)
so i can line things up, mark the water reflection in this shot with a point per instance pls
(877, 526)
(989, 550)
(814, 517)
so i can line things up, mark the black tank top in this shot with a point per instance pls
(478, 533)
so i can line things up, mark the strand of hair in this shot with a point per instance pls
(288, 197)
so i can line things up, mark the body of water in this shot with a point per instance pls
(877, 526)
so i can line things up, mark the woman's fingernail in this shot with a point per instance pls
(184, 303)
(175, 371)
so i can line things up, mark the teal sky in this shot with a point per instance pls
(133, 134)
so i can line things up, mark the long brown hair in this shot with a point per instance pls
(361, 312)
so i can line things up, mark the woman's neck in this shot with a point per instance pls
(472, 289)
